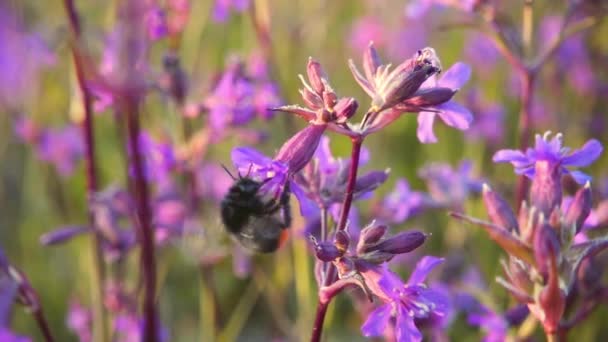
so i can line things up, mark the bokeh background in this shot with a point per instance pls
(276, 298)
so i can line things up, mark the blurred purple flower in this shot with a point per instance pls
(495, 326)
(79, 321)
(368, 29)
(215, 190)
(481, 53)
(489, 118)
(450, 187)
(169, 217)
(156, 22)
(231, 102)
(222, 8)
(8, 336)
(159, 159)
(406, 302)
(400, 204)
(419, 8)
(130, 328)
(23, 56)
(62, 147)
(572, 56)
(552, 152)
(450, 112)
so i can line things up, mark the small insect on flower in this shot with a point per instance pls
(259, 223)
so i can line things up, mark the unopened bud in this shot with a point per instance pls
(345, 109)
(579, 209)
(62, 235)
(499, 210)
(403, 242)
(430, 97)
(341, 240)
(325, 251)
(371, 61)
(552, 301)
(546, 248)
(315, 75)
(372, 234)
(546, 189)
(329, 99)
(298, 150)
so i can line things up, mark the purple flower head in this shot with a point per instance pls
(400, 204)
(23, 56)
(419, 8)
(215, 190)
(79, 321)
(230, 103)
(156, 23)
(8, 336)
(554, 154)
(572, 56)
(324, 179)
(253, 164)
(368, 29)
(169, 217)
(489, 118)
(450, 187)
(222, 8)
(159, 159)
(62, 147)
(480, 52)
(405, 302)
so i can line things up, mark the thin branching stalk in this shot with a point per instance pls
(357, 142)
(144, 228)
(98, 270)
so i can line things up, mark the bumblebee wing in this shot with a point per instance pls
(262, 234)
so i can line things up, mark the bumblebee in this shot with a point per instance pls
(259, 225)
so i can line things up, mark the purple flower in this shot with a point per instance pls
(418, 8)
(230, 103)
(253, 164)
(450, 187)
(480, 52)
(489, 118)
(450, 112)
(368, 29)
(552, 152)
(400, 204)
(222, 8)
(23, 56)
(215, 190)
(405, 302)
(159, 159)
(130, 328)
(8, 336)
(79, 321)
(62, 147)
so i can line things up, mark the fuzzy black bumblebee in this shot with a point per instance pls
(258, 224)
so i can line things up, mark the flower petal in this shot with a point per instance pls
(406, 330)
(455, 115)
(517, 158)
(244, 157)
(423, 268)
(456, 76)
(425, 127)
(585, 155)
(377, 321)
(308, 208)
(580, 177)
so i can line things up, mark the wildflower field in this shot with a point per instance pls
(265, 170)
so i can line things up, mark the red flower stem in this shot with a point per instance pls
(144, 228)
(317, 328)
(98, 281)
(43, 325)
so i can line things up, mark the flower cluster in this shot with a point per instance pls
(545, 267)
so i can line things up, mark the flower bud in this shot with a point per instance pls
(62, 235)
(311, 99)
(329, 99)
(546, 248)
(345, 109)
(401, 86)
(372, 234)
(325, 251)
(546, 189)
(341, 240)
(371, 181)
(579, 209)
(298, 150)
(403, 242)
(430, 97)
(552, 300)
(499, 210)
(315, 75)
